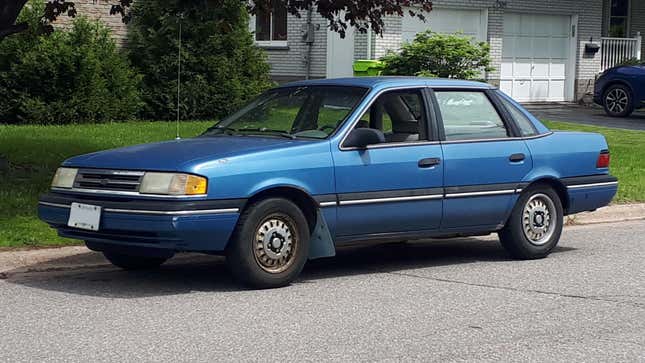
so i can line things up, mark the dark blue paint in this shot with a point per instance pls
(631, 76)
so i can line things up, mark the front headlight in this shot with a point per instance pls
(172, 184)
(64, 178)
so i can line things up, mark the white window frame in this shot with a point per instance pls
(268, 43)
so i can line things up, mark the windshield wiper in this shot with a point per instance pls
(264, 129)
(222, 129)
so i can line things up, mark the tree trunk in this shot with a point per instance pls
(9, 11)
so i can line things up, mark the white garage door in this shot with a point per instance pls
(535, 57)
(442, 20)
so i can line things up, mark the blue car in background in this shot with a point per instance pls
(621, 90)
(313, 165)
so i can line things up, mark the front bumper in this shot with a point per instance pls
(195, 225)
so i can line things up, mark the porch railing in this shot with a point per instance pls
(616, 50)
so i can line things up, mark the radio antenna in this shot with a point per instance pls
(180, 16)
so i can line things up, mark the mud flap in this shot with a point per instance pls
(321, 244)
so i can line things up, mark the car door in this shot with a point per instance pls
(393, 186)
(484, 161)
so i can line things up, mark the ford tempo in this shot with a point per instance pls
(313, 165)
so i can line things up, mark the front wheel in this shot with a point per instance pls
(535, 224)
(270, 244)
(618, 101)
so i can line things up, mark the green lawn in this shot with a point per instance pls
(627, 162)
(35, 152)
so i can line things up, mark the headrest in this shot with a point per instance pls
(406, 127)
(362, 124)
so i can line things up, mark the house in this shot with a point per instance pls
(541, 49)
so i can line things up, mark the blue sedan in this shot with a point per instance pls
(621, 90)
(314, 165)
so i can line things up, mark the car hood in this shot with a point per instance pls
(177, 155)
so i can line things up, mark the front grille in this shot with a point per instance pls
(100, 179)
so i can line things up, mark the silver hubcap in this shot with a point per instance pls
(617, 100)
(538, 219)
(275, 245)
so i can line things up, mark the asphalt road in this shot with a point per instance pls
(431, 301)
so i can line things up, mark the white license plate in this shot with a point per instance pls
(84, 216)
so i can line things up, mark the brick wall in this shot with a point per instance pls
(99, 9)
(289, 63)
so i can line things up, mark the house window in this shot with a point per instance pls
(619, 18)
(271, 26)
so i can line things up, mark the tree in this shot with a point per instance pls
(439, 55)
(361, 14)
(221, 68)
(72, 76)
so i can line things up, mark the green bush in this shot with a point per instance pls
(630, 62)
(432, 54)
(75, 76)
(221, 66)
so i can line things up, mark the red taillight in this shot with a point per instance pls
(603, 160)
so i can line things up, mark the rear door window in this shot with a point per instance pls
(469, 115)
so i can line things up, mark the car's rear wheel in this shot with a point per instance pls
(618, 101)
(270, 244)
(128, 262)
(535, 224)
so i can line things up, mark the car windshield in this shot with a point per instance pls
(293, 112)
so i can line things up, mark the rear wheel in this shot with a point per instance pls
(128, 262)
(270, 245)
(535, 224)
(618, 101)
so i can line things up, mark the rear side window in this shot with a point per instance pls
(521, 120)
(469, 115)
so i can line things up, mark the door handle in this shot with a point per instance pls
(429, 162)
(516, 158)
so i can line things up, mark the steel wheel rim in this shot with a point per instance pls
(617, 100)
(539, 219)
(275, 244)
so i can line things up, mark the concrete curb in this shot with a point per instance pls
(610, 214)
(74, 257)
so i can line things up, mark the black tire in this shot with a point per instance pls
(251, 255)
(618, 101)
(128, 262)
(513, 236)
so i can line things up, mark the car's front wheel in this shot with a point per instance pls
(270, 244)
(128, 262)
(535, 224)
(618, 101)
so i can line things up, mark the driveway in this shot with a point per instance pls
(426, 301)
(589, 115)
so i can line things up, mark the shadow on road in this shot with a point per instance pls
(209, 274)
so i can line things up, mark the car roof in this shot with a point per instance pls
(390, 81)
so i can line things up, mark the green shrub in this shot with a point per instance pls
(432, 54)
(75, 76)
(221, 66)
(630, 62)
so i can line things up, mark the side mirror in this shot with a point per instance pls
(361, 137)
